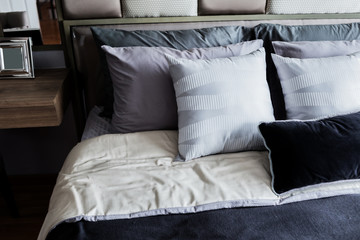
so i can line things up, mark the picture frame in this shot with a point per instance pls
(16, 60)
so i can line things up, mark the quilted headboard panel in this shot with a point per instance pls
(312, 6)
(231, 6)
(159, 8)
(94, 9)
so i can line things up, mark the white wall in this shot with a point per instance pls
(22, 5)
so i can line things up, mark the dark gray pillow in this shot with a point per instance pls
(315, 49)
(276, 32)
(179, 39)
(304, 153)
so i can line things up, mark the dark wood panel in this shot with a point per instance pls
(32, 194)
(23, 117)
(35, 102)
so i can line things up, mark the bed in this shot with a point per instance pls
(232, 121)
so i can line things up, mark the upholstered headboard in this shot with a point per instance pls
(85, 9)
(76, 18)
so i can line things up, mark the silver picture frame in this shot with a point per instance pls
(16, 59)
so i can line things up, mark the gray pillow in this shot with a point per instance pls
(315, 49)
(144, 97)
(221, 103)
(179, 39)
(319, 87)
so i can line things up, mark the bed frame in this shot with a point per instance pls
(118, 160)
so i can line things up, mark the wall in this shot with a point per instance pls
(22, 5)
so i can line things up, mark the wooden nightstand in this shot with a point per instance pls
(26, 103)
(38, 102)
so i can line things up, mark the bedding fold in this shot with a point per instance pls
(134, 175)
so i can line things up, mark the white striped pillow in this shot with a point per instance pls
(315, 88)
(221, 103)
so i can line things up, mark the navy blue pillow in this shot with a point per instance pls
(179, 39)
(310, 152)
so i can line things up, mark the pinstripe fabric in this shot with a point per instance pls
(312, 6)
(319, 87)
(220, 103)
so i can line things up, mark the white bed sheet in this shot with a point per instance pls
(117, 176)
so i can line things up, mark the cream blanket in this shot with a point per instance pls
(135, 175)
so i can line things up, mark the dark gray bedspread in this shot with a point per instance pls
(328, 218)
